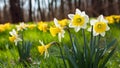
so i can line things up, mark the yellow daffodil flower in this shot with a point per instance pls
(57, 30)
(78, 20)
(116, 18)
(31, 26)
(99, 26)
(43, 49)
(43, 26)
(7, 26)
(54, 31)
(63, 22)
(110, 19)
(2, 28)
(14, 37)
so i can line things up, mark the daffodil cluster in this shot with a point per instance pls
(43, 26)
(14, 34)
(78, 21)
(113, 19)
(4, 27)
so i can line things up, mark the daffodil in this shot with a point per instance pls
(110, 19)
(57, 30)
(7, 25)
(31, 26)
(54, 31)
(2, 28)
(42, 26)
(21, 26)
(43, 49)
(78, 20)
(99, 26)
(63, 22)
(14, 37)
(116, 18)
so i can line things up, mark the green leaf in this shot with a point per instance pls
(108, 57)
(111, 44)
(71, 59)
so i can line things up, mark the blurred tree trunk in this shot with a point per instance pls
(75, 3)
(16, 12)
(30, 10)
(39, 10)
(42, 15)
(49, 9)
(52, 9)
(70, 6)
(62, 9)
(5, 13)
(51, 12)
(55, 9)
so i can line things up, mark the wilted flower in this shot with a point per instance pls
(14, 37)
(99, 26)
(78, 20)
(42, 26)
(57, 30)
(21, 26)
(43, 49)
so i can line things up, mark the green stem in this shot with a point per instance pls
(91, 47)
(83, 32)
(91, 40)
(85, 49)
(71, 40)
(99, 40)
(61, 54)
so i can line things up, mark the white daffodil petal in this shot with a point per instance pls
(106, 21)
(59, 37)
(93, 21)
(70, 25)
(56, 22)
(86, 18)
(41, 42)
(16, 43)
(102, 34)
(84, 26)
(13, 32)
(19, 39)
(108, 28)
(78, 12)
(71, 16)
(100, 18)
(89, 29)
(46, 54)
(95, 34)
(62, 33)
(77, 29)
(83, 13)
